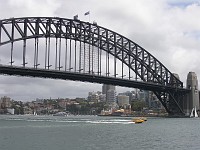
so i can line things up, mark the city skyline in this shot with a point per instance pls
(168, 29)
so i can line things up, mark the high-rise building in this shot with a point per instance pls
(109, 90)
(106, 87)
(111, 96)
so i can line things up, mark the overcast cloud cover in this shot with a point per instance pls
(168, 29)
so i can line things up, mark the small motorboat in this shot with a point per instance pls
(139, 120)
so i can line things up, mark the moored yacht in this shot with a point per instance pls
(194, 113)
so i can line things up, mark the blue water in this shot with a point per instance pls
(97, 133)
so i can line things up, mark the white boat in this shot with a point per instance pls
(35, 114)
(194, 113)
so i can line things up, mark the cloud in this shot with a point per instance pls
(12, 8)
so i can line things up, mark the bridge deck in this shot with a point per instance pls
(67, 75)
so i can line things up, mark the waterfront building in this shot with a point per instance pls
(27, 110)
(93, 97)
(11, 111)
(122, 100)
(130, 94)
(62, 103)
(6, 102)
(30, 104)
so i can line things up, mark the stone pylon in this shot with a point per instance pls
(192, 99)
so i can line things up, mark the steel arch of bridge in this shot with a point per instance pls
(155, 76)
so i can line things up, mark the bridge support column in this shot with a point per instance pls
(192, 99)
(175, 103)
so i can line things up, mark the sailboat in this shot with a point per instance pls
(35, 114)
(194, 113)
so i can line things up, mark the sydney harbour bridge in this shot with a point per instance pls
(70, 49)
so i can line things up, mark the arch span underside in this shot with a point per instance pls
(76, 50)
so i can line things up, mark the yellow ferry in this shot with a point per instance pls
(139, 120)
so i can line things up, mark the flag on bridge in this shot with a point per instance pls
(87, 13)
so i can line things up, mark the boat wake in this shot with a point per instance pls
(67, 120)
(111, 122)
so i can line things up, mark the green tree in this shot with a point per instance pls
(138, 105)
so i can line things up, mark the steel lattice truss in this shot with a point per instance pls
(145, 66)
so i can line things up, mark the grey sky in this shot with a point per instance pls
(168, 29)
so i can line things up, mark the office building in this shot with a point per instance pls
(122, 100)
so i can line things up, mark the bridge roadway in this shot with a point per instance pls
(68, 75)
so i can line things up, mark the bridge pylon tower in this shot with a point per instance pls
(192, 98)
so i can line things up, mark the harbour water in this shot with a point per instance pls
(97, 133)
